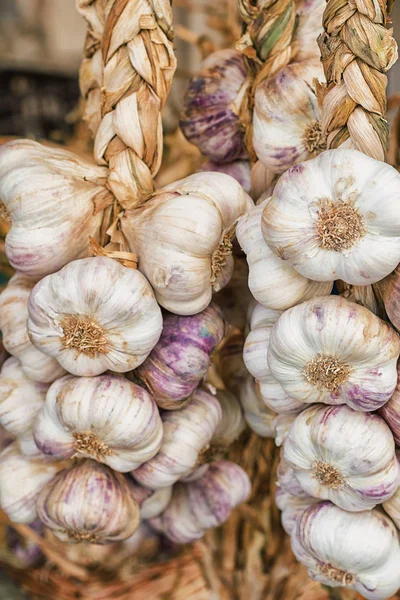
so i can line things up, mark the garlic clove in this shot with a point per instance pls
(88, 502)
(106, 418)
(151, 502)
(94, 315)
(238, 169)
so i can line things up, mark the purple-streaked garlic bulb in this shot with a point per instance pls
(292, 507)
(106, 418)
(26, 551)
(205, 503)
(239, 170)
(342, 455)
(151, 502)
(89, 502)
(181, 358)
(359, 551)
(391, 410)
(210, 113)
(186, 442)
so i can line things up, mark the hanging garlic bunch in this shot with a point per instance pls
(88, 502)
(13, 324)
(55, 202)
(151, 502)
(183, 239)
(207, 502)
(106, 418)
(333, 351)
(359, 551)
(180, 359)
(210, 114)
(94, 315)
(336, 216)
(239, 170)
(272, 281)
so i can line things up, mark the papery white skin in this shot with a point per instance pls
(272, 281)
(114, 297)
(285, 106)
(52, 196)
(258, 416)
(196, 474)
(205, 503)
(291, 507)
(391, 410)
(366, 295)
(238, 169)
(20, 402)
(308, 28)
(358, 446)
(290, 219)
(255, 358)
(332, 326)
(187, 433)
(151, 502)
(176, 233)
(121, 416)
(14, 327)
(21, 481)
(364, 545)
(232, 423)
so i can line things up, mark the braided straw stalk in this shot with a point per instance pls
(357, 50)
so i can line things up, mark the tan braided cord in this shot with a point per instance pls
(125, 78)
(357, 50)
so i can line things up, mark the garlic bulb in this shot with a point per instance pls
(210, 117)
(187, 436)
(182, 237)
(291, 507)
(272, 281)
(180, 359)
(258, 416)
(345, 226)
(343, 455)
(13, 324)
(391, 410)
(151, 502)
(232, 423)
(392, 506)
(106, 418)
(20, 402)
(255, 358)
(94, 315)
(308, 28)
(239, 170)
(25, 551)
(21, 481)
(333, 351)
(286, 118)
(88, 502)
(358, 551)
(55, 201)
(205, 503)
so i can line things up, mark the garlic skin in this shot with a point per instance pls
(258, 416)
(239, 170)
(255, 358)
(94, 315)
(187, 254)
(151, 502)
(21, 481)
(366, 295)
(309, 27)
(20, 402)
(358, 551)
(13, 324)
(286, 118)
(333, 351)
(272, 281)
(210, 118)
(291, 507)
(232, 423)
(205, 503)
(346, 225)
(187, 436)
(106, 418)
(55, 202)
(181, 357)
(88, 502)
(342, 455)
(391, 410)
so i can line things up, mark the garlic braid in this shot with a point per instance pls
(357, 50)
(125, 78)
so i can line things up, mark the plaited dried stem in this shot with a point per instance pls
(357, 50)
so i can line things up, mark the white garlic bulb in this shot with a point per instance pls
(333, 351)
(55, 201)
(232, 422)
(286, 118)
(391, 410)
(151, 502)
(20, 402)
(187, 436)
(358, 551)
(336, 216)
(292, 507)
(94, 315)
(106, 418)
(183, 238)
(21, 481)
(308, 27)
(258, 416)
(14, 327)
(88, 502)
(272, 281)
(343, 455)
(255, 358)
